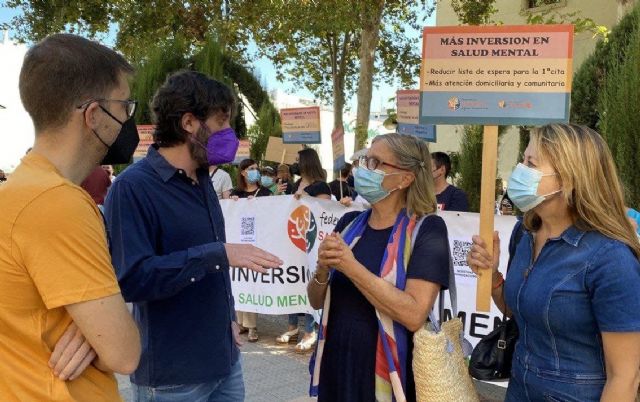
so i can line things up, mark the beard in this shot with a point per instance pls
(198, 150)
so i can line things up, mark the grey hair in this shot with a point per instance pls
(413, 154)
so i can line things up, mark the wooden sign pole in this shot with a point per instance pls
(487, 211)
(284, 153)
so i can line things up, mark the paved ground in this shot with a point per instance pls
(275, 373)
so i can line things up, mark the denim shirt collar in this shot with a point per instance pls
(571, 235)
(164, 169)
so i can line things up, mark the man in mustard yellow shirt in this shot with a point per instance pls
(64, 327)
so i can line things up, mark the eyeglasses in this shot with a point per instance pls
(372, 163)
(129, 105)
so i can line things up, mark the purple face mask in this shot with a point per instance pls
(222, 146)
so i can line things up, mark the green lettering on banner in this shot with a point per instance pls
(291, 300)
(255, 300)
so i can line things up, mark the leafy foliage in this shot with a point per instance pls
(267, 125)
(580, 24)
(619, 109)
(138, 24)
(210, 59)
(152, 72)
(470, 165)
(589, 79)
(474, 12)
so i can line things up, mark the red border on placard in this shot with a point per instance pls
(501, 29)
(407, 91)
(301, 108)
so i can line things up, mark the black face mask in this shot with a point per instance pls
(295, 169)
(124, 146)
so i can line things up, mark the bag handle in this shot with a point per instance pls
(453, 294)
(453, 297)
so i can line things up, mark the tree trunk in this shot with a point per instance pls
(340, 53)
(371, 17)
(338, 101)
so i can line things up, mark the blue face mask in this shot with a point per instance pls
(369, 184)
(523, 187)
(266, 181)
(253, 176)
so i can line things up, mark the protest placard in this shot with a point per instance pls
(495, 75)
(301, 125)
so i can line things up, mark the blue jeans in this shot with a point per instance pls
(227, 389)
(309, 326)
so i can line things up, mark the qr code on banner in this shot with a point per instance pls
(248, 226)
(248, 229)
(459, 252)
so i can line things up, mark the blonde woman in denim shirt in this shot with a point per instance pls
(574, 283)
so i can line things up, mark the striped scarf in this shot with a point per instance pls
(391, 351)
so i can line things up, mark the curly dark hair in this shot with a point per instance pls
(187, 92)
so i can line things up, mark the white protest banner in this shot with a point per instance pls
(293, 230)
(289, 228)
(461, 227)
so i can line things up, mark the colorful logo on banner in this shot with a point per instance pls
(302, 228)
(496, 75)
(408, 116)
(301, 125)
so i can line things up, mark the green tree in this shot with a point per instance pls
(151, 74)
(386, 51)
(140, 24)
(313, 44)
(267, 125)
(619, 108)
(330, 46)
(168, 57)
(469, 162)
(589, 79)
(479, 12)
(474, 12)
(159, 37)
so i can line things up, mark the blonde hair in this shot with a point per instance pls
(589, 180)
(412, 153)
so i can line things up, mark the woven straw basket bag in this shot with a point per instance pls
(439, 369)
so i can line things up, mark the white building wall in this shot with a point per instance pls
(16, 129)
